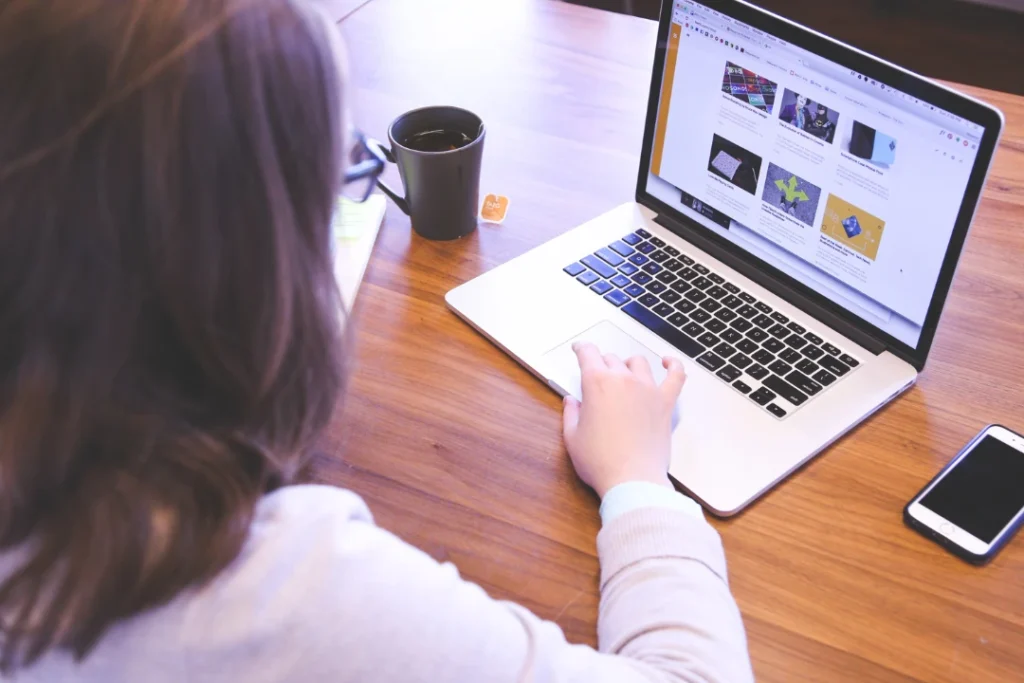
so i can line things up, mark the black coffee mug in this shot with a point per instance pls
(438, 151)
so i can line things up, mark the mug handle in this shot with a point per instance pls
(401, 202)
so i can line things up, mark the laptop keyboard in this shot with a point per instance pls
(776, 362)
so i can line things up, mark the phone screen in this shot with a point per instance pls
(983, 492)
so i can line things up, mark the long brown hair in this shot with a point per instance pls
(169, 341)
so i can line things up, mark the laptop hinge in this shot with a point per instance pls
(773, 285)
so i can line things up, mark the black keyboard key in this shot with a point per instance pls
(779, 318)
(671, 297)
(731, 288)
(780, 367)
(763, 321)
(656, 287)
(758, 372)
(663, 329)
(741, 386)
(757, 334)
(849, 360)
(646, 248)
(774, 345)
(621, 281)
(711, 361)
(628, 269)
(643, 233)
(616, 297)
(649, 300)
(741, 360)
(686, 259)
(728, 373)
(701, 283)
(672, 264)
(622, 249)
(808, 367)
(666, 277)
(833, 365)
(681, 286)
(695, 295)
(725, 315)
(730, 335)
(693, 329)
(731, 301)
(635, 291)
(658, 256)
(746, 297)
(687, 273)
(790, 356)
(824, 377)
(747, 311)
(589, 277)
(813, 352)
(708, 339)
(638, 259)
(678, 319)
(657, 241)
(796, 341)
(664, 310)
(776, 410)
(702, 269)
(831, 350)
(710, 305)
(609, 257)
(685, 306)
(601, 287)
(762, 396)
(716, 292)
(701, 316)
(716, 278)
(716, 326)
(746, 346)
(785, 389)
(741, 324)
(642, 278)
(803, 383)
(651, 268)
(632, 238)
(813, 338)
(598, 266)
(763, 357)
(725, 350)
(763, 307)
(779, 332)
(670, 250)
(796, 327)
(574, 269)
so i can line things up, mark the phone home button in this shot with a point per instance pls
(947, 529)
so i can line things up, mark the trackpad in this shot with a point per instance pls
(562, 369)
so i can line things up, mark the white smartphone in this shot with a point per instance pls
(974, 505)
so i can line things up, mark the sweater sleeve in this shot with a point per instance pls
(350, 602)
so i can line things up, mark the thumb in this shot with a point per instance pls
(570, 416)
(672, 385)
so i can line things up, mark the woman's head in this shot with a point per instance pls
(170, 339)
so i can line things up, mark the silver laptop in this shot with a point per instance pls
(800, 210)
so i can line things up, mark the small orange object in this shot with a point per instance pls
(494, 209)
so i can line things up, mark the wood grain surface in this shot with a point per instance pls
(457, 449)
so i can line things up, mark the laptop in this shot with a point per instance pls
(800, 210)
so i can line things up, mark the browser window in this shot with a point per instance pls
(846, 184)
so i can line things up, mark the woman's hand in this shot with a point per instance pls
(623, 429)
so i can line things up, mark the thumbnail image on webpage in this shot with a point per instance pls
(864, 142)
(739, 166)
(852, 226)
(791, 194)
(748, 87)
(813, 118)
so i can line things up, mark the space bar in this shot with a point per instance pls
(663, 329)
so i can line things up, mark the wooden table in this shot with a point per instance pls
(457, 449)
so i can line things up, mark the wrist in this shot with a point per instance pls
(660, 480)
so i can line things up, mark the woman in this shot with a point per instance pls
(171, 348)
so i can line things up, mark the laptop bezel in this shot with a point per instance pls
(845, 55)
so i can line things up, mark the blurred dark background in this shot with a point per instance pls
(978, 42)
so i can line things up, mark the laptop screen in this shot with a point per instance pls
(846, 184)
